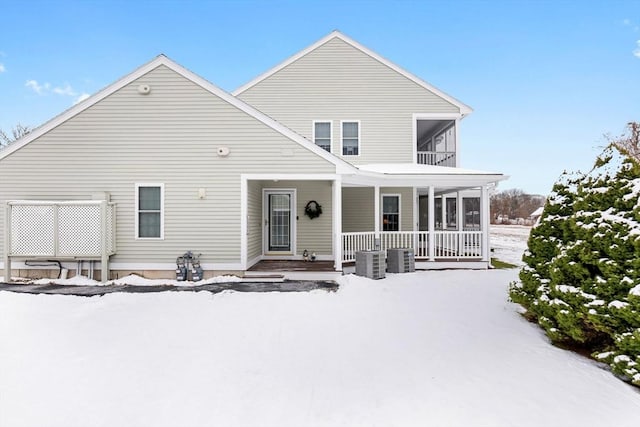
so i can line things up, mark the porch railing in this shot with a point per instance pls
(447, 244)
(437, 158)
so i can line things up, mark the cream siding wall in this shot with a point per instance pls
(169, 136)
(358, 208)
(339, 82)
(254, 220)
(315, 235)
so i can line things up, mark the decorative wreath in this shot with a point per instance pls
(313, 209)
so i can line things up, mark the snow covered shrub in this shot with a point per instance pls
(581, 281)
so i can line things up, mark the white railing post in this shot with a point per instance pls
(460, 218)
(484, 220)
(7, 243)
(432, 224)
(376, 210)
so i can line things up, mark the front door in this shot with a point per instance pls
(279, 218)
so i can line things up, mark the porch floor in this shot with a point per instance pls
(292, 265)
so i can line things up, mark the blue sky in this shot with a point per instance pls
(547, 79)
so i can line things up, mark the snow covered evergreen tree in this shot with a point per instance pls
(581, 281)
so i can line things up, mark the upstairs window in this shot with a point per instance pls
(322, 135)
(350, 138)
(149, 211)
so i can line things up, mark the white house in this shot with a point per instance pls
(162, 161)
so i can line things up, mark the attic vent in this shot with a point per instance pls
(144, 89)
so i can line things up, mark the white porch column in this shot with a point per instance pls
(7, 245)
(337, 222)
(443, 211)
(484, 223)
(460, 211)
(244, 220)
(432, 224)
(416, 245)
(460, 221)
(104, 260)
(376, 210)
(457, 144)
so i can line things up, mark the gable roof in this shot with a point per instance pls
(464, 108)
(144, 69)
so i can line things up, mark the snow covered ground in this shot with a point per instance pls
(441, 348)
(509, 242)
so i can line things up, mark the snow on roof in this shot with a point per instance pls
(416, 169)
(537, 212)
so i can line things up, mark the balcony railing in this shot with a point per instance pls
(447, 244)
(437, 158)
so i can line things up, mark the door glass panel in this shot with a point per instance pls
(279, 222)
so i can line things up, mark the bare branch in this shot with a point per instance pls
(17, 132)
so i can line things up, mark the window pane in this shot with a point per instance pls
(438, 213)
(149, 224)
(390, 213)
(350, 139)
(350, 147)
(390, 204)
(149, 198)
(350, 130)
(451, 213)
(323, 130)
(390, 222)
(471, 212)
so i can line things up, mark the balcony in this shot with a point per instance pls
(437, 158)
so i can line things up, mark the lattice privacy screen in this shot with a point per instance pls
(60, 229)
(79, 230)
(32, 230)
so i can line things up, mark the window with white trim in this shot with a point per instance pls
(322, 135)
(149, 211)
(350, 138)
(390, 212)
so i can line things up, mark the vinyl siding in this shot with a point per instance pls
(339, 82)
(169, 136)
(254, 220)
(358, 208)
(316, 234)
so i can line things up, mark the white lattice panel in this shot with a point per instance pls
(79, 230)
(60, 229)
(32, 230)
